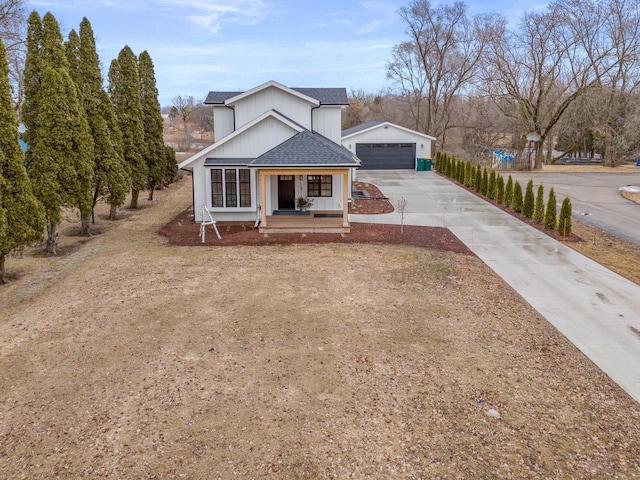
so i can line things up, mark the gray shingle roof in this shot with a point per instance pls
(307, 149)
(218, 98)
(360, 128)
(326, 96)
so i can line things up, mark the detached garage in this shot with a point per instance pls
(383, 145)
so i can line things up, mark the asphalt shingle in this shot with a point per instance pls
(306, 148)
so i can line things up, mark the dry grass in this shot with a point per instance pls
(129, 358)
(590, 169)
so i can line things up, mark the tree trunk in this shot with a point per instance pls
(113, 209)
(134, 198)
(539, 149)
(85, 228)
(2, 258)
(52, 238)
(608, 160)
(521, 157)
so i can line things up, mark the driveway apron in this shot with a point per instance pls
(595, 308)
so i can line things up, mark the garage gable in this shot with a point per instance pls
(383, 145)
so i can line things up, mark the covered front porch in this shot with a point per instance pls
(314, 220)
(318, 221)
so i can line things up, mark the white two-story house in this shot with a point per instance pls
(274, 145)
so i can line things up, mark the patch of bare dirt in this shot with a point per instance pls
(137, 359)
(633, 196)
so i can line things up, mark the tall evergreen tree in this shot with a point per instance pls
(516, 197)
(155, 156)
(538, 210)
(124, 91)
(32, 75)
(170, 164)
(564, 220)
(118, 174)
(21, 217)
(508, 191)
(61, 146)
(110, 173)
(491, 185)
(550, 214)
(484, 183)
(500, 188)
(529, 200)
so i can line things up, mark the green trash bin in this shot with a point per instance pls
(421, 165)
(427, 165)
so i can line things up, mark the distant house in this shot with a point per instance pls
(383, 145)
(275, 145)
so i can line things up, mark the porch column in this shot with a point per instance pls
(345, 199)
(263, 198)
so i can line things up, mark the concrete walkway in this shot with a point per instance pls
(595, 308)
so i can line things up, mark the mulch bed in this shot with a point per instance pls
(183, 231)
(529, 221)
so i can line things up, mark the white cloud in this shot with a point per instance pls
(211, 14)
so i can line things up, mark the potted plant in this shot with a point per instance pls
(304, 203)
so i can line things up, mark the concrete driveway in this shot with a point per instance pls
(594, 197)
(595, 308)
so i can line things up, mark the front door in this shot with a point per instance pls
(286, 192)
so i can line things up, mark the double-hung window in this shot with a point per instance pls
(319, 185)
(230, 187)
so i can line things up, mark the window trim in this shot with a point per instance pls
(321, 182)
(240, 187)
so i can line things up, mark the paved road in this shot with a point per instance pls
(594, 197)
(596, 309)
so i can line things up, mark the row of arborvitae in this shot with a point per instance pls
(492, 185)
(84, 143)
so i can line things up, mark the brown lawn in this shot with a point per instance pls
(126, 357)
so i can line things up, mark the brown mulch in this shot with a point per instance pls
(376, 204)
(529, 221)
(183, 231)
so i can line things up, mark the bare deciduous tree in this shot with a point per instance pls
(556, 57)
(439, 61)
(13, 35)
(184, 106)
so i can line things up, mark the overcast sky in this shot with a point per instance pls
(203, 45)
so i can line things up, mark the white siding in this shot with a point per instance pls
(391, 135)
(326, 121)
(329, 203)
(199, 188)
(222, 122)
(273, 98)
(255, 141)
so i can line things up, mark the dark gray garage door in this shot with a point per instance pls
(381, 156)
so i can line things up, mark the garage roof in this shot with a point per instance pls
(377, 124)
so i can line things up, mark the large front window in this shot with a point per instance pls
(319, 185)
(230, 187)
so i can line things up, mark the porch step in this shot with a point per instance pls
(292, 212)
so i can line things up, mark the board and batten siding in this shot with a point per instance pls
(253, 142)
(251, 107)
(319, 203)
(222, 122)
(326, 121)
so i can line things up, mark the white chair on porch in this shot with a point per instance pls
(207, 219)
